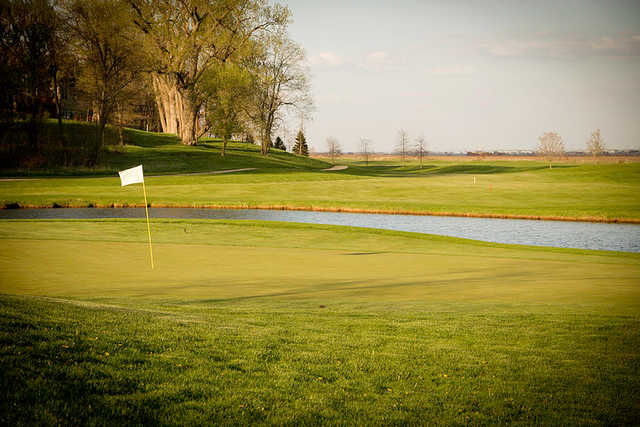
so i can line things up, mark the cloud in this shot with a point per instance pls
(455, 70)
(327, 59)
(566, 47)
(379, 57)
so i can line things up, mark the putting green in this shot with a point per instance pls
(246, 322)
(223, 260)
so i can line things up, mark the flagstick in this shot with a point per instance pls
(146, 209)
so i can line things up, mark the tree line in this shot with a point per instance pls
(550, 146)
(191, 67)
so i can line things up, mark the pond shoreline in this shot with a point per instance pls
(328, 209)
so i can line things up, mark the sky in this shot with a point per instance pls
(470, 75)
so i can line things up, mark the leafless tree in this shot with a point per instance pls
(550, 146)
(280, 81)
(421, 148)
(595, 144)
(333, 147)
(403, 144)
(365, 147)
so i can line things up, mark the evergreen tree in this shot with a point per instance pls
(279, 144)
(301, 146)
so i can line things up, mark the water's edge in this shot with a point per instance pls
(55, 205)
(565, 234)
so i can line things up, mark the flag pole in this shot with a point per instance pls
(146, 209)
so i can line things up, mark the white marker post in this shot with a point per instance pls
(134, 176)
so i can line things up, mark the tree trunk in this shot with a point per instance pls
(56, 92)
(189, 116)
(168, 101)
(99, 143)
(120, 125)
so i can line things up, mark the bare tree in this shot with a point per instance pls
(595, 145)
(403, 144)
(333, 147)
(421, 148)
(550, 146)
(365, 147)
(280, 82)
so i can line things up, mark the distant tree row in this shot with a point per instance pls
(194, 67)
(551, 145)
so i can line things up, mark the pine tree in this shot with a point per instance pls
(279, 144)
(301, 146)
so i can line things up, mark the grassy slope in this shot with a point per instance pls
(266, 322)
(525, 188)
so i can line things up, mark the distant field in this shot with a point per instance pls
(255, 322)
(413, 159)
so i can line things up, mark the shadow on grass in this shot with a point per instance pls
(434, 170)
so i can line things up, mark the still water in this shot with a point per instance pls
(565, 234)
(584, 235)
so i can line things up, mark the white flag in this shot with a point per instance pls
(131, 176)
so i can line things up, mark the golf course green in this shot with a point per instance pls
(250, 322)
(503, 188)
(255, 322)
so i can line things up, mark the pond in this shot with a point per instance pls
(564, 234)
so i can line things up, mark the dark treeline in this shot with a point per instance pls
(188, 67)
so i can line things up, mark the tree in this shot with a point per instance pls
(106, 51)
(365, 146)
(595, 144)
(550, 146)
(280, 81)
(28, 43)
(421, 148)
(333, 147)
(403, 144)
(227, 87)
(279, 144)
(184, 38)
(301, 148)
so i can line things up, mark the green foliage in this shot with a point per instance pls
(227, 88)
(358, 327)
(300, 147)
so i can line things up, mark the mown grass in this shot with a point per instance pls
(160, 153)
(522, 188)
(586, 191)
(255, 322)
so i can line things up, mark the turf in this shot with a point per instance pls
(578, 191)
(255, 322)
(523, 188)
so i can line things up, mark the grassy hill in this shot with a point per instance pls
(160, 153)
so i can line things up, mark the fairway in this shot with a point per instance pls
(179, 176)
(258, 322)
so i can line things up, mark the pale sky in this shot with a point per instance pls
(471, 75)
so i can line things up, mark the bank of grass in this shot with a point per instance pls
(520, 188)
(160, 153)
(502, 188)
(255, 322)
